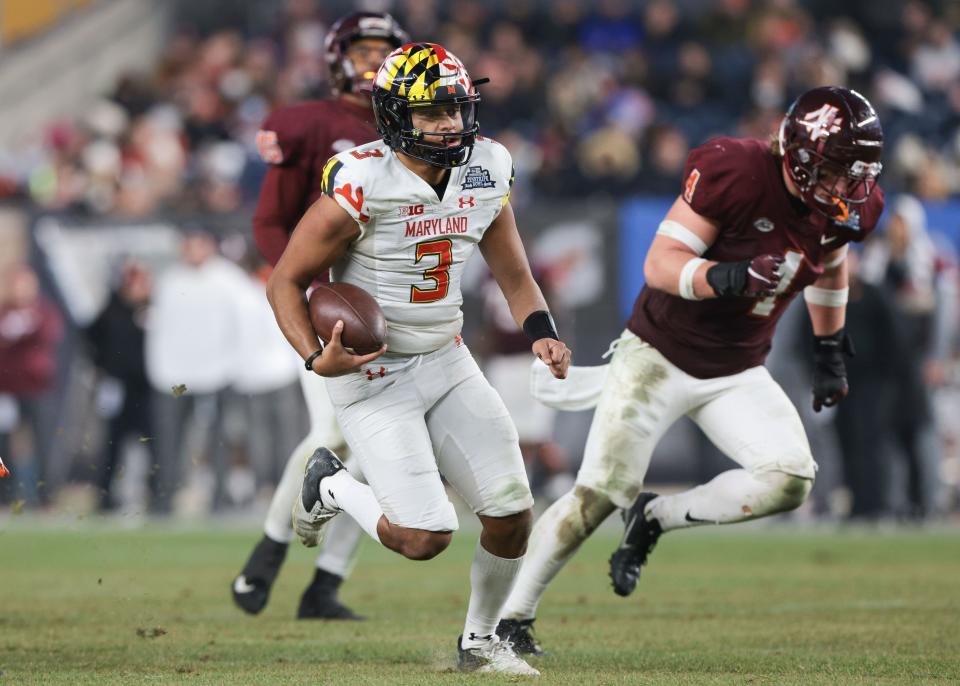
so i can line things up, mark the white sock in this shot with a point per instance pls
(556, 536)
(491, 579)
(733, 496)
(356, 499)
(341, 543)
(338, 550)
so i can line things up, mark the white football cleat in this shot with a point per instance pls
(494, 656)
(309, 512)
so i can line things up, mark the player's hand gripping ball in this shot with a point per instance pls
(364, 327)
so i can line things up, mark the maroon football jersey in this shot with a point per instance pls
(296, 142)
(738, 183)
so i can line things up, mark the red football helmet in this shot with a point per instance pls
(831, 142)
(353, 27)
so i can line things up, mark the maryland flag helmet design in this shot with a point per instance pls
(425, 75)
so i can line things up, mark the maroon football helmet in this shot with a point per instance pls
(353, 27)
(831, 142)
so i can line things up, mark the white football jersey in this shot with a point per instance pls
(413, 246)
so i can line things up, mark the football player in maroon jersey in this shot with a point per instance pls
(755, 224)
(296, 141)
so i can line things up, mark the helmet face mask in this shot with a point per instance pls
(425, 79)
(361, 60)
(848, 184)
(349, 30)
(832, 142)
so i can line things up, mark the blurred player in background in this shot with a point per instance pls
(400, 221)
(506, 354)
(296, 141)
(755, 224)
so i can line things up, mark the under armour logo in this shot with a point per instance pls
(474, 637)
(371, 375)
(466, 201)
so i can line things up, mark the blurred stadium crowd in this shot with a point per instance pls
(598, 99)
(602, 97)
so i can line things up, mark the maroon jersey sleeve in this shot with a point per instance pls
(711, 176)
(283, 138)
(279, 208)
(284, 143)
(296, 142)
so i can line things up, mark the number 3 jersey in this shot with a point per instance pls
(738, 184)
(413, 245)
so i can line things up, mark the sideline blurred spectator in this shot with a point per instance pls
(267, 379)
(116, 340)
(507, 360)
(30, 328)
(581, 82)
(904, 262)
(664, 160)
(191, 347)
(864, 417)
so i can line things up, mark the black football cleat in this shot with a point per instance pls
(319, 600)
(309, 511)
(640, 535)
(251, 588)
(519, 632)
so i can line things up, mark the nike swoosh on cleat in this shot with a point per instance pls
(241, 585)
(827, 239)
(626, 533)
(694, 519)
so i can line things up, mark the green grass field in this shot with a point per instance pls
(96, 605)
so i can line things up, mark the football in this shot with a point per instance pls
(364, 327)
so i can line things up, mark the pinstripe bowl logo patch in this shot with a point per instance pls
(477, 177)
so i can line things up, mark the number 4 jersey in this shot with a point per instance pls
(413, 245)
(739, 184)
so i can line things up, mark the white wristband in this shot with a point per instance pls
(685, 284)
(679, 232)
(826, 297)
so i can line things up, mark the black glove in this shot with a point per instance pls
(756, 278)
(829, 372)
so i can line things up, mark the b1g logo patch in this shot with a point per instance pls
(411, 210)
(477, 177)
(691, 186)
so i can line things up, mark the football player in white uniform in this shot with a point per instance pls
(296, 141)
(400, 220)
